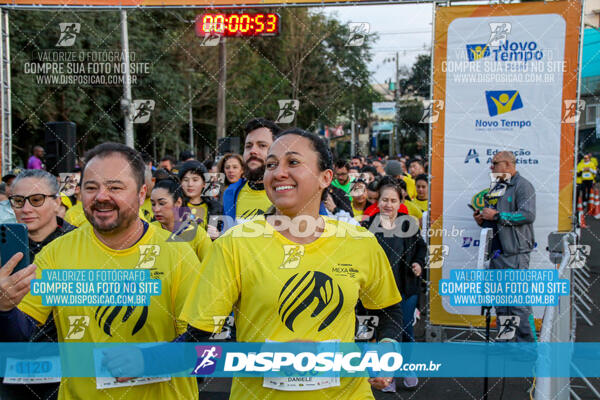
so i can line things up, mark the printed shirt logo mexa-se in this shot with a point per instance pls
(175, 264)
(283, 291)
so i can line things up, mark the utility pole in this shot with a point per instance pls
(393, 152)
(191, 122)
(353, 140)
(126, 103)
(221, 91)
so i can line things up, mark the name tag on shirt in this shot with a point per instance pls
(109, 382)
(301, 383)
(32, 371)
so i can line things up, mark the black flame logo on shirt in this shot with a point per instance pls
(301, 291)
(110, 317)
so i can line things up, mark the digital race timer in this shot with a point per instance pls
(259, 24)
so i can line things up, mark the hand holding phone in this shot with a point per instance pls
(14, 285)
(14, 239)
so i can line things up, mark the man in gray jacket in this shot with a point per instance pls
(510, 212)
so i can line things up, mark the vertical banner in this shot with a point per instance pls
(505, 78)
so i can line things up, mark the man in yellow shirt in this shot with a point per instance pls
(586, 170)
(115, 239)
(246, 198)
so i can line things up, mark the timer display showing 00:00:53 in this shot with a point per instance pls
(238, 24)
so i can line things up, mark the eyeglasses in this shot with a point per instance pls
(36, 200)
(494, 163)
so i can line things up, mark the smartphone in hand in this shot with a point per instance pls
(14, 239)
(472, 208)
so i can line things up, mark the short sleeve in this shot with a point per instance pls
(379, 290)
(32, 305)
(202, 244)
(216, 289)
(187, 270)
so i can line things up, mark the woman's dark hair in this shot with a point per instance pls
(195, 167)
(388, 182)
(319, 145)
(422, 177)
(172, 185)
(373, 186)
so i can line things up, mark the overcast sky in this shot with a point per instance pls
(403, 28)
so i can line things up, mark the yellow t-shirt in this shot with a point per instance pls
(266, 279)
(200, 212)
(175, 264)
(590, 170)
(411, 186)
(200, 242)
(358, 214)
(146, 210)
(422, 204)
(251, 203)
(414, 210)
(75, 215)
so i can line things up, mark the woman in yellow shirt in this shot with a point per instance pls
(167, 199)
(281, 280)
(193, 180)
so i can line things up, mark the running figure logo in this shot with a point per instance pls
(68, 33)
(142, 110)
(210, 40)
(291, 256)
(573, 110)
(507, 326)
(148, 254)
(499, 33)
(77, 325)
(358, 33)
(287, 111)
(206, 363)
(431, 111)
(437, 252)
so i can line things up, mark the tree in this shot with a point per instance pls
(418, 82)
(308, 61)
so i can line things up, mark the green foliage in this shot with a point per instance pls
(308, 61)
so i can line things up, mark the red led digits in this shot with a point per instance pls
(245, 24)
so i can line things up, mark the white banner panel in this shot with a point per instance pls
(502, 97)
(503, 74)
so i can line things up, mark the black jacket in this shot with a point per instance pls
(341, 199)
(401, 253)
(63, 227)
